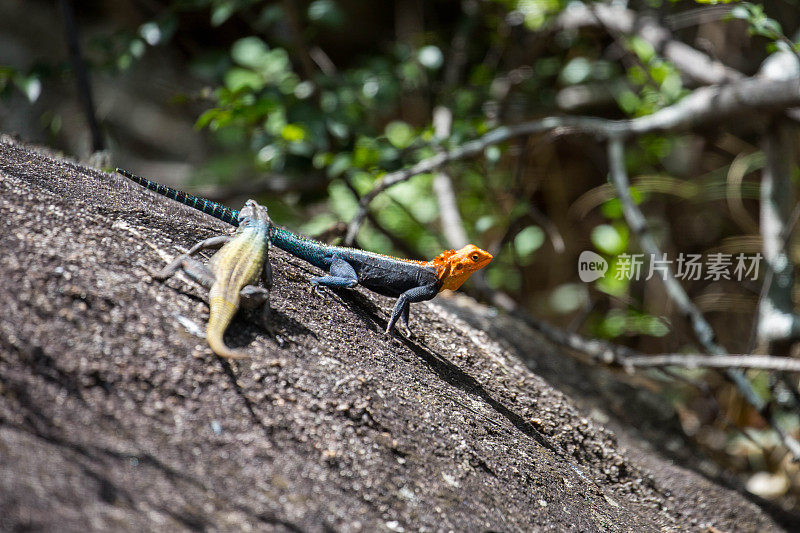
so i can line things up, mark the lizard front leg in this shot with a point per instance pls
(183, 259)
(403, 305)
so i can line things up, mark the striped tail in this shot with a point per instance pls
(220, 314)
(208, 207)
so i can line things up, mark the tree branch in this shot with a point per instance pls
(700, 326)
(452, 223)
(81, 74)
(703, 106)
(693, 63)
(760, 362)
(776, 319)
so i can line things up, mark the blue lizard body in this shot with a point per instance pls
(407, 280)
(379, 273)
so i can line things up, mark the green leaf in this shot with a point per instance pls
(293, 133)
(484, 223)
(612, 209)
(739, 12)
(239, 78)
(340, 164)
(366, 153)
(628, 101)
(250, 52)
(568, 297)
(400, 134)
(576, 71)
(528, 241)
(31, 86)
(150, 32)
(642, 48)
(613, 325)
(493, 153)
(610, 239)
(222, 13)
(206, 118)
(326, 13)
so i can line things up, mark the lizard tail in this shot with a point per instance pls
(208, 207)
(220, 315)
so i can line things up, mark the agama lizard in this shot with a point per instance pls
(231, 274)
(409, 281)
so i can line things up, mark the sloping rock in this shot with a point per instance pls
(115, 415)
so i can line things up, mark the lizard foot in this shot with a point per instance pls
(406, 331)
(317, 289)
(402, 328)
(156, 274)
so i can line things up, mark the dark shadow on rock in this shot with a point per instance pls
(453, 375)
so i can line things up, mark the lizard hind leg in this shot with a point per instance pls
(254, 297)
(342, 275)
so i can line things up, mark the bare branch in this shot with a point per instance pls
(611, 354)
(635, 219)
(776, 319)
(81, 74)
(691, 62)
(700, 326)
(703, 106)
(760, 362)
(452, 223)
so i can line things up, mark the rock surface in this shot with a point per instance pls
(115, 415)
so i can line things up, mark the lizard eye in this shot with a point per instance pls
(475, 257)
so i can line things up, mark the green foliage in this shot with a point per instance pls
(760, 24)
(610, 239)
(527, 242)
(617, 323)
(29, 84)
(758, 21)
(658, 81)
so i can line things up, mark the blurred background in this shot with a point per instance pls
(303, 105)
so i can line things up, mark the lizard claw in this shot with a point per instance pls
(406, 331)
(317, 289)
(402, 328)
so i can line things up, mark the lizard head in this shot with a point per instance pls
(454, 267)
(252, 213)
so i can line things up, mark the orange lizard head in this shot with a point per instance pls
(454, 267)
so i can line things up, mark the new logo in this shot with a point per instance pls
(591, 266)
